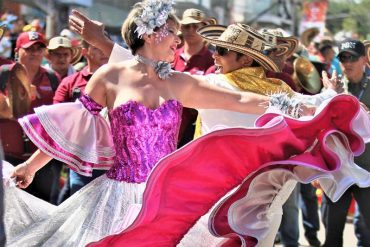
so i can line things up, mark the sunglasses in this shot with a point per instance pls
(348, 58)
(222, 51)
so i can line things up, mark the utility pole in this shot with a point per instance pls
(51, 19)
(294, 14)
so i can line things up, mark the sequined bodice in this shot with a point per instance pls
(142, 136)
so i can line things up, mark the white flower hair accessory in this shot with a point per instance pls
(155, 14)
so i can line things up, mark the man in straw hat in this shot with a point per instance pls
(193, 56)
(62, 55)
(353, 58)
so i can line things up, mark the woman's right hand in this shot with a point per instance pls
(22, 175)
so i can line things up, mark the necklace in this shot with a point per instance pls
(161, 68)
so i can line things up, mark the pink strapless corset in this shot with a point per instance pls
(142, 136)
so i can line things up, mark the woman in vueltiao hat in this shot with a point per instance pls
(240, 57)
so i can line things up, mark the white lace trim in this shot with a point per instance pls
(57, 136)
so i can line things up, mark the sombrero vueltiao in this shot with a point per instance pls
(240, 38)
(285, 45)
(367, 49)
(308, 35)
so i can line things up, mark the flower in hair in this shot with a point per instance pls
(155, 14)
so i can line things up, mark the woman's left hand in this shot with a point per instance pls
(23, 177)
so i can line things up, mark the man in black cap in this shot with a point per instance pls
(353, 61)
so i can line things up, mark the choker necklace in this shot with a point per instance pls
(162, 69)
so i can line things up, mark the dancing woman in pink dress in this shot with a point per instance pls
(144, 99)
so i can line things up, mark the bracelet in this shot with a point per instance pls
(295, 110)
(285, 104)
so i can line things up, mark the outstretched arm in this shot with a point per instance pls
(195, 92)
(91, 31)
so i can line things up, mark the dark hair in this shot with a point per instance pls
(253, 64)
(239, 55)
(325, 48)
(129, 26)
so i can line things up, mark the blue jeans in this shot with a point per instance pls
(310, 211)
(362, 231)
(77, 181)
(334, 217)
(289, 228)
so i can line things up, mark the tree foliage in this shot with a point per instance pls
(349, 15)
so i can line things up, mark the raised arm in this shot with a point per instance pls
(96, 87)
(91, 31)
(195, 92)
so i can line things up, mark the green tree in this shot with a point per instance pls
(349, 15)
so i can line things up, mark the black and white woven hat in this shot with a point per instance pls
(286, 45)
(240, 38)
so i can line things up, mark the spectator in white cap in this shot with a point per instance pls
(193, 56)
(62, 55)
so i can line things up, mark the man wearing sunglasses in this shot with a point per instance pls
(353, 62)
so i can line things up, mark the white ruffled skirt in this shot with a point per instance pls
(99, 209)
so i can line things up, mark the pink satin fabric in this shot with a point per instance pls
(71, 133)
(186, 184)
